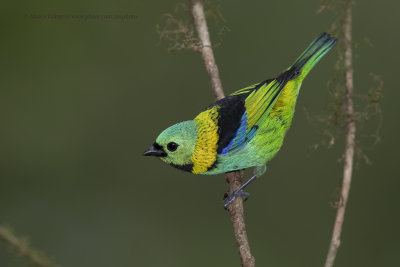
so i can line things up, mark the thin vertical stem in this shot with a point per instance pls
(350, 134)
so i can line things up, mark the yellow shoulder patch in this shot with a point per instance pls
(205, 151)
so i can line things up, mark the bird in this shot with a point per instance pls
(242, 130)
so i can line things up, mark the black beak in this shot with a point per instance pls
(155, 150)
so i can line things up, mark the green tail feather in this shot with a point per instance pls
(314, 52)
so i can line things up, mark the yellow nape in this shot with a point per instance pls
(287, 99)
(205, 151)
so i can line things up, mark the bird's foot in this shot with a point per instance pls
(237, 193)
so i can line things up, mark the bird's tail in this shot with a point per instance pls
(314, 52)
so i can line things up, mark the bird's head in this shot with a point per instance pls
(175, 145)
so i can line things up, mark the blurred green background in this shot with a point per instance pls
(81, 100)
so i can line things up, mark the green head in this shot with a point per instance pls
(175, 145)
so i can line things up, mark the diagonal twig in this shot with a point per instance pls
(234, 179)
(22, 248)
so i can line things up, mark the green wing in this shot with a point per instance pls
(259, 101)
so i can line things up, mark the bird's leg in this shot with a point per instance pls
(239, 193)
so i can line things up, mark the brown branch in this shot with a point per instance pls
(234, 179)
(206, 49)
(22, 248)
(350, 135)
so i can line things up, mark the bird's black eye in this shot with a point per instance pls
(172, 146)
